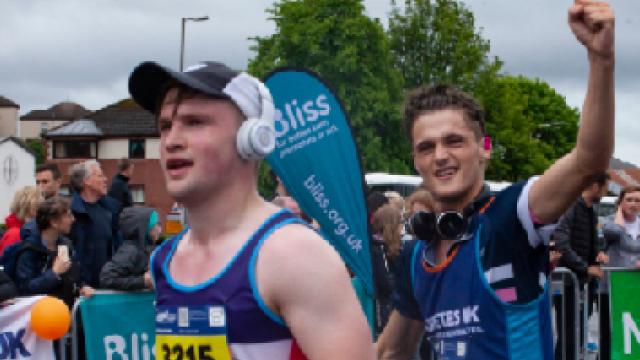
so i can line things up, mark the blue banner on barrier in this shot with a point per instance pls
(119, 326)
(317, 161)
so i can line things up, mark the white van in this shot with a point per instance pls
(606, 207)
(406, 184)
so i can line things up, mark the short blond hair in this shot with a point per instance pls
(25, 202)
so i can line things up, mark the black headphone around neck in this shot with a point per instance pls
(449, 225)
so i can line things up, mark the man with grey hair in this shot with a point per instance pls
(95, 233)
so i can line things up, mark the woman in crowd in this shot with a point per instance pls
(387, 228)
(622, 230)
(128, 269)
(44, 264)
(622, 243)
(23, 208)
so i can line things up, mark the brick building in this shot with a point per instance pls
(120, 130)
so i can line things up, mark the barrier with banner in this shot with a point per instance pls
(317, 161)
(17, 341)
(118, 325)
(624, 292)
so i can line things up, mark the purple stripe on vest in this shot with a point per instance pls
(246, 322)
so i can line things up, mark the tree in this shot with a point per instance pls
(435, 41)
(37, 146)
(531, 126)
(350, 51)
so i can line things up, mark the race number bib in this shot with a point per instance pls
(191, 333)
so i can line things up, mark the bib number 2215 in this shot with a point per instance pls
(190, 352)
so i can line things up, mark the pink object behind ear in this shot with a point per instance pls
(487, 142)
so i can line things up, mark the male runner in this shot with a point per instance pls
(246, 280)
(477, 288)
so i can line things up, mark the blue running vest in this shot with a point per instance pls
(464, 319)
(228, 303)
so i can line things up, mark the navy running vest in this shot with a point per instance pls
(464, 319)
(223, 317)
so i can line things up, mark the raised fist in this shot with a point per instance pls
(592, 22)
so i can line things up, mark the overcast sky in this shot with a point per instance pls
(83, 51)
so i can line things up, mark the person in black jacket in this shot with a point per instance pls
(119, 189)
(43, 265)
(7, 288)
(576, 238)
(95, 234)
(129, 268)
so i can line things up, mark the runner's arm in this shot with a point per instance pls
(561, 184)
(400, 338)
(302, 278)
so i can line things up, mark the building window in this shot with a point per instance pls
(137, 194)
(44, 127)
(75, 149)
(136, 148)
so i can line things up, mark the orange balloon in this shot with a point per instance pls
(50, 318)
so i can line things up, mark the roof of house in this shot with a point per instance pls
(622, 178)
(65, 110)
(121, 119)
(125, 118)
(4, 102)
(18, 142)
(77, 128)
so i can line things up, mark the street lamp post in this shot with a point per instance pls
(184, 21)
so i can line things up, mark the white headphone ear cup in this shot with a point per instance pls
(262, 139)
(256, 139)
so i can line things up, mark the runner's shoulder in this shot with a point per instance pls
(298, 244)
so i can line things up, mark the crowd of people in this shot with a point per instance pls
(67, 246)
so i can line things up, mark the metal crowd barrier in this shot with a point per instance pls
(558, 279)
(561, 278)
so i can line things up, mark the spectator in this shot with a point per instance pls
(129, 268)
(119, 189)
(48, 179)
(622, 242)
(44, 264)
(95, 234)
(386, 228)
(622, 230)
(576, 238)
(383, 285)
(23, 208)
(7, 288)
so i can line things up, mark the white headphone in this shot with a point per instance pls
(256, 137)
